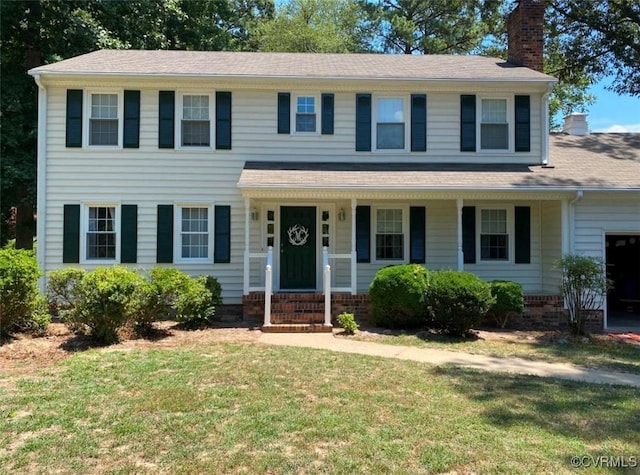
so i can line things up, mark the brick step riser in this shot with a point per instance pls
(304, 328)
(297, 318)
(294, 308)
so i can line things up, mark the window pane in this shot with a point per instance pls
(103, 132)
(391, 110)
(104, 106)
(494, 247)
(494, 221)
(389, 246)
(305, 122)
(306, 105)
(195, 107)
(195, 233)
(494, 136)
(494, 111)
(390, 136)
(101, 238)
(195, 133)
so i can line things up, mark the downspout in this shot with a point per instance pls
(572, 220)
(41, 189)
(544, 125)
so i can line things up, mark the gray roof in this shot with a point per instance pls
(597, 161)
(294, 65)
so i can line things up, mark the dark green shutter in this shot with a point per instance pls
(469, 234)
(129, 234)
(131, 127)
(223, 120)
(284, 113)
(523, 123)
(363, 234)
(222, 239)
(417, 238)
(467, 123)
(74, 118)
(363, 123)
(523, 234)
(327, 114)
(418, 122)
(166, 123)
(71, 234)
(164, 249)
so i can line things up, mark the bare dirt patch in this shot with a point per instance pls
(24, 353)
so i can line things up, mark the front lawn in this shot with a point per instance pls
(598, 352)
(251, 408)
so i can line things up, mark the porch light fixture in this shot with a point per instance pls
(342, 215)
(254, 214)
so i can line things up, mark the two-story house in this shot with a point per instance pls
(222, 163)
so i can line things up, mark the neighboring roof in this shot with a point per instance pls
(597, 161)
(293, 65)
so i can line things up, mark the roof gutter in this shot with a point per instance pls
(41, 206)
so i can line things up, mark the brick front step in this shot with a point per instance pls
(297, 328)
(297, 317)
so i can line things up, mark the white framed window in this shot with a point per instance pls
(495, 225)
(495, 122)
(100, 225)
(104, 110)
(390, 129)
(305, 113)
(390, 234)
(194, 127)
(193, 223)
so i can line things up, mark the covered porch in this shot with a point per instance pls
(325, 229)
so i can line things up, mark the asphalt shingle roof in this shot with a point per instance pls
(294, 65)
(597, 161)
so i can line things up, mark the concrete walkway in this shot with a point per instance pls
(326, 341)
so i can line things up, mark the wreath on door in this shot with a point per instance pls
(298, 235)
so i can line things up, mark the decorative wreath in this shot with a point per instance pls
(298, 235)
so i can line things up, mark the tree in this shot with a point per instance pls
(315, 26)
(39, 32)
(598, 38)
(433, 26)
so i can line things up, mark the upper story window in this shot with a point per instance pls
(389, 234)
(195, 123)
(494, 125)
(305, 114)
(101, 233)
(494, 235)
(103, 119)
(390, 123)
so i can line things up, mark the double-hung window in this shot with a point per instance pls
(100, 234)
(390, 123)
(305, 116)
(494, 125)
(195, 126)
(389, 234)
(103, 119)
(494, 235)
(195, 232)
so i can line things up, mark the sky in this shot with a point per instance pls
(611, 112)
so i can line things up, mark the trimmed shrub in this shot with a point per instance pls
(457, 301)
(194, 305)
(348, 322)
(396, 295)
(62, 291)
(21, 307)
(509, 300)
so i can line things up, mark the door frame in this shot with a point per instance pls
(276, 206)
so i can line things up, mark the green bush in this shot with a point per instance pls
(194, 305)
(457, 301)
(21, 307)
(62, 291)
(396, 295)
(348, 322)
(509, 299)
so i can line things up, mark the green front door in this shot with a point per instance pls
(297, 247)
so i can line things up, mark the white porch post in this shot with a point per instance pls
(247, 234)
(354, 263)
(268, 287)
(326, 278)
(459, 204)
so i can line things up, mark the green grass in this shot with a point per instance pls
(595, 354)
(261, 409)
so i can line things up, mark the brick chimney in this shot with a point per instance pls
(525, 30)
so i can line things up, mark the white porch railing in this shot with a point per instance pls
(268, 287)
